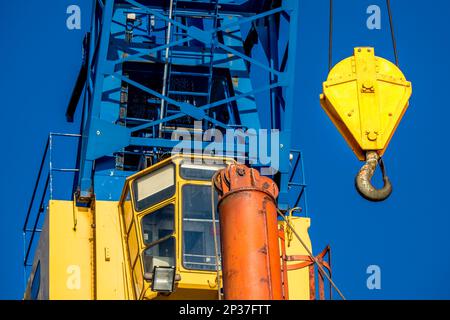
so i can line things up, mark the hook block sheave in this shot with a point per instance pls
(366, 97)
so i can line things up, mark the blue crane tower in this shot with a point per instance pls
(153, 67)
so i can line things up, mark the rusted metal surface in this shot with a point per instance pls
(363, 179)
(251, 263)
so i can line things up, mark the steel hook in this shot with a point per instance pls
(363, 179)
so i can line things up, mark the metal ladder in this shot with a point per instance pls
(172, 91)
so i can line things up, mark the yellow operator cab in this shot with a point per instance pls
(168, 229)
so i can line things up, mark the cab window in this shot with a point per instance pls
(158, 224)
(161, 254)
(157, 230)
(189, 171)
(127, 211)
(154, 187)
(198, 235)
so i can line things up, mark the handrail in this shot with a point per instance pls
(36, 221)
(299, 165)
(41, 167)
(33, 229)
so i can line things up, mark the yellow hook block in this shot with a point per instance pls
(366, 97)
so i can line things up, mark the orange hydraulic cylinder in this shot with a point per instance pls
(251, 265)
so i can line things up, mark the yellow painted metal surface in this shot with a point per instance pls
(110, 278)
(298, 280)
(85, 253)
(366, 97)
(81, 251)
(70, 246)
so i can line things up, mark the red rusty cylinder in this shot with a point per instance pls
(251, 264)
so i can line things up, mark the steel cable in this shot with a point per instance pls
(391, 23)
(310, 253)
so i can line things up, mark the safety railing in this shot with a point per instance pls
(297, 184)
(43, 192)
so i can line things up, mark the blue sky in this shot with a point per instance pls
(407, 236)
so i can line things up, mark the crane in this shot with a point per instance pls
(185, 139)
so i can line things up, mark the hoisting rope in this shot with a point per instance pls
(330, 34)
(330, 38)
(313, 258)
(391, 23)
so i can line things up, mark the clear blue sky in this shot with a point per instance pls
(407, 236)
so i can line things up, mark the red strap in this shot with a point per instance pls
(312, 284)
(299, 258)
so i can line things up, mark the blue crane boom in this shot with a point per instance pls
(154, 67)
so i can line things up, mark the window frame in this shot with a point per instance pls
(133, 260)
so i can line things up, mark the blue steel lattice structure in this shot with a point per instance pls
(152, 67)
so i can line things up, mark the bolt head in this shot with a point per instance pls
(372, 136)
(240, 172)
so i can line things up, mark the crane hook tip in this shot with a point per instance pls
(363, 182)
